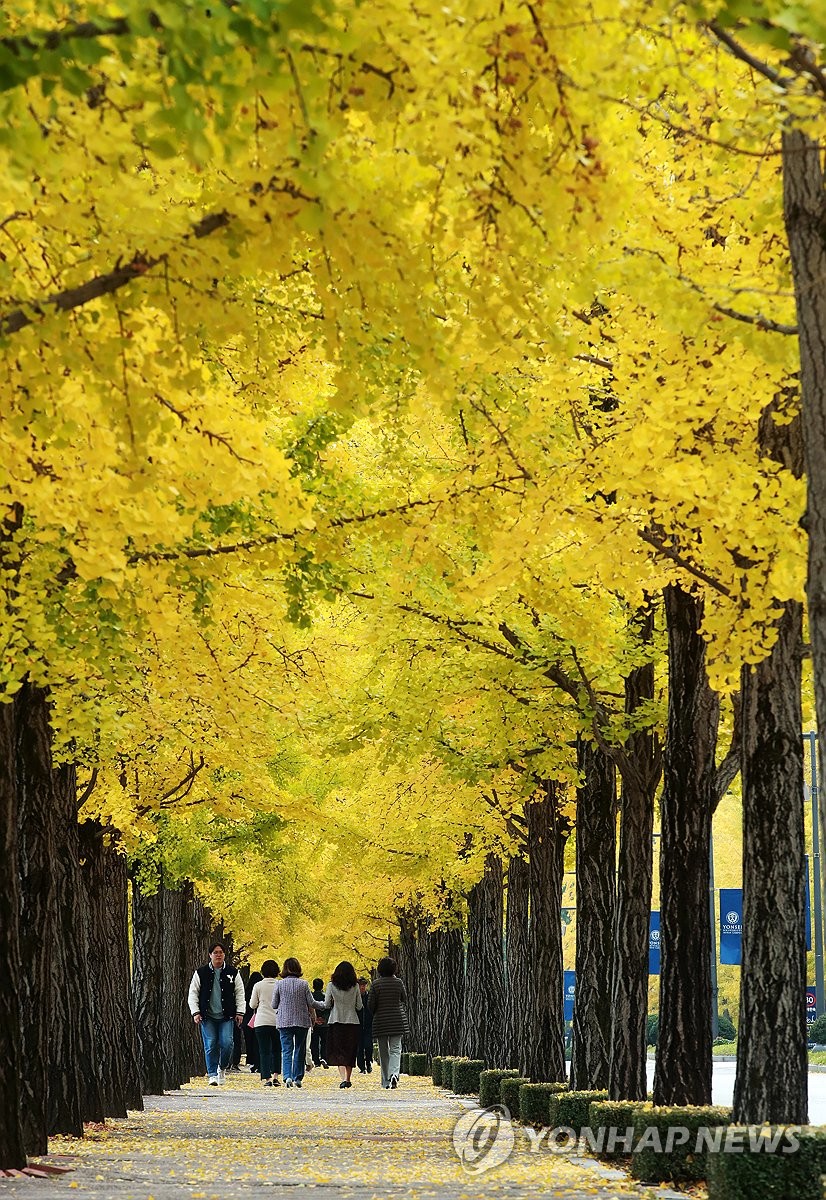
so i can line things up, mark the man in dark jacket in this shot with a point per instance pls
(364, 1055)
(217, 1002)
(318, 1037)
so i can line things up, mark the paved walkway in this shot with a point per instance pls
(364, 1143)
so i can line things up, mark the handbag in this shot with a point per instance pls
(251, 1021)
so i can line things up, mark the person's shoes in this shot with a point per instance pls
(309, 1066)
(344, 1084)
(324, 1063)
(276, 1082)
(222, 1076)
(288, 1083)
(298, 1083)
(368, 1070)
(267, 1082)
(213, 1081)
(394, 1081)
(362, 1070)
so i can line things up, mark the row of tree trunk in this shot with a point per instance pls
(85, 1030)
(509, 995)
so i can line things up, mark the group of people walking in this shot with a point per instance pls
(344, 1019)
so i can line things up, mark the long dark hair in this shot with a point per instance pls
(344, 976)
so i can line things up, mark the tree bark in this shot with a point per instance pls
(773, 976)
(74, 1080)
(36, 847)
(451, 977)
(484, 1007)
(12, 1137)
(804, 202)
(176, 979)
(518, 1021)
(543, 1047)
(596, 852)
(148, 986)
(407, 972)
(683, 1071)
(640, 770)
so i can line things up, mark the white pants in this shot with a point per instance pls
(390, 1056)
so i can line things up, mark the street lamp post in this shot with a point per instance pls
(811, 738)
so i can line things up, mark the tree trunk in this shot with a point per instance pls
(148, 986)
(773, 976)
(543, 1049)
(596, 854)
(12, 1138)
(804, 201)
(407, 972)
(451, 977)
(74, 1081)
(176, 979)
(641, 768)
(518, 1020)
(484, 1008)
(683, 1071)
(36, 847)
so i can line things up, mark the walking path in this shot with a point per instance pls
(203, 1143)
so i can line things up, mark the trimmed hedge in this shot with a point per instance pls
(436, 1070)
(466, 1073)
(405, 1055)
(659, 1152)
(570, 1109)
(489, 1084)
(787, 1173)
(607, 1115)
(509, 1091)
(447, 1069)
(417, 1064)
(534, 1100)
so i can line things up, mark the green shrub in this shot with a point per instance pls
(405, 1055)
(436, 1070)
(534, 1099)
(659, 1151)
(611, 1124)
(652, 1029)
(817, 1031)
(489, 1082)
(725, 1027)
(466, 1072)
(509, 1091)
(779, 1175)
(447, 1069)
(417, 1064)
(570, 1109)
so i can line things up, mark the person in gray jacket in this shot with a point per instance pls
(386, 1002)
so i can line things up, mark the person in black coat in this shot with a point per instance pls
(387, 1001)
(249, 1034)
(318, 1038)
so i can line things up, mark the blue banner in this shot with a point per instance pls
(568, 991)
(654, 944)
(731, 926)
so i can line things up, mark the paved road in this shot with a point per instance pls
(722, 1089)
(204, 1143)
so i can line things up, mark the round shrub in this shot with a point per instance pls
(466, 1072)
(509, 1091)
(817, 1031)
(489, 1084)
(726, 1029)
(436, 1070)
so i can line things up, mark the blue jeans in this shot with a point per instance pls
(218, 1039)
(293, 1052)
